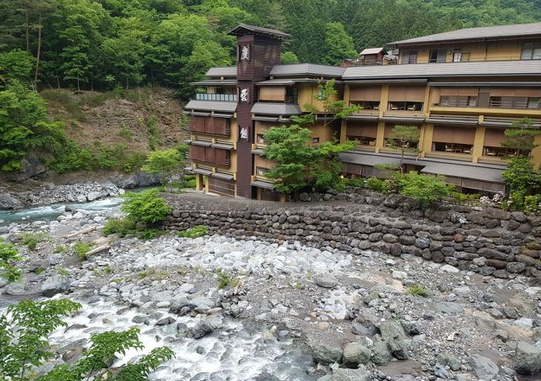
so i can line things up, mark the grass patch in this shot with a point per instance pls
(120, 226)
(60, 249)
(153, 274)
(81, 248)
(191, 183)
(417, 290)
(196, 232)
(39, 270)
(62, 271)
(31, 240)
(226, 280)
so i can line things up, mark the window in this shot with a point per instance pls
(458, 101)
(260, 138)
(515, 102)
(457, 56)
(409, 57)
(292, 95)
(261, 171)
(405, 106)
(437, 55)
(366, 105)
(315, 140)
(531, 51)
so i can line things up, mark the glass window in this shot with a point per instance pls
(437, 55)
(457, 56)
(409, 57)
(315, 140)
(260, 138)
(533, 103)
(531, 51)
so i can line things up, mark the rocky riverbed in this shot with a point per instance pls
(252, 310)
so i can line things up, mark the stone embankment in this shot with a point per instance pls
(488, 241)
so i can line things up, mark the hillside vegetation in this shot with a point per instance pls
(97, 44)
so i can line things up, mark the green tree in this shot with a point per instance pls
(146, 207)
(16, 65)
(338, 44)
(404, 139)
(521, 136)
(287, 58)
(164, 163)
(298, 165)
(24, 125)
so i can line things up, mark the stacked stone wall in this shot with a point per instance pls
(489, 241)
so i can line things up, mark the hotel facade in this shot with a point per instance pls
(461, 89)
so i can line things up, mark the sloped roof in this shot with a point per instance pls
(373, 51)
(268, 108)
(243, 29)
(490, 32)
(452, 69)
(308, 70)
(223, 71)
(228, 107)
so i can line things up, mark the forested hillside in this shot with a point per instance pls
(100, 44)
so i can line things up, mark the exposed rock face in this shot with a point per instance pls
(8, 202)
(355, 354)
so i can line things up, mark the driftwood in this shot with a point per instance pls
(84, 231)
(98, 249)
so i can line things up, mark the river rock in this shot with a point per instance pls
(483, 368)
(381, 354)
(55, 284)
(355, 354)
(350, 375)
(326, 281)
(201, 329)
(527, 359)
(326, 355)
(8, 202)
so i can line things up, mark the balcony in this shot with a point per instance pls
(210, 126)
(216, 97)
(210, 156)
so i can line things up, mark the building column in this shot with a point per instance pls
(343, 131)
(478, 143)
(199, 182)
(536, 152)
(426, 139)
(380, 137)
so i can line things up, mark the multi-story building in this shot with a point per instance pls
(462, 89)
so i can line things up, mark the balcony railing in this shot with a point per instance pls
(216, 97)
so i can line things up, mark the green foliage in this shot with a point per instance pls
(191, 183)
(120, 226)
(425, 189)
(338, 45)
(196, 232)
(521, 136)
(81, 248)
(164, 163)
(417, 290)
(146, 207)
(60, 249)
(404, 139)
(8, 259)
(523, 180)
(226, 280)
(532, 204)
(153, 132)
(31, 240)
(378, 185)
(288, 58)
(16, 65)
(356, 182)
(24, 333)
(24, 125)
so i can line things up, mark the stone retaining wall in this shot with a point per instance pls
(488, 241)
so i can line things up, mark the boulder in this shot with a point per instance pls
(55, 284)
(326, 281)
(381, 354)
(355, 354)
(8, 202)
(527, 359)
(326, 355)
(201, 330)
(351, 375)
(483, 368)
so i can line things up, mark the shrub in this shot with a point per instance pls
(424, 189)
(198, 231)
(81, 248)
(164, 163)
(191, 183)
(31, 240)
(8, 258)
(376, 184)
(356, 182)
(146, 207)
(417, 290)
(532, 204)
(226, 280)
(120, 226)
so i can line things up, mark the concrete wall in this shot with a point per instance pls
(489, 241)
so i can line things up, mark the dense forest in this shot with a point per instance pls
(101, 44)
